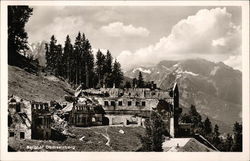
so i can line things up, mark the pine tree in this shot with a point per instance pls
(100, 59)
(117, 74)
(68, 51)
(140, 81)
(195, 116)
(108, 69)
(207, 126)
(153, 139)
(185, 118)
(216, 141)
(18, 16)
(127, 84)
(237, 137)
(228, 143)
(89, 64)
(59, 64)
(77, 65)
(51, 54)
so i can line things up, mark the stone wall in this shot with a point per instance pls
(19, 119)
(41, 121)
(125, 120)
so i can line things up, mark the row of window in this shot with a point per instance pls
(43, 106)
(81, 108)
(12, 134)
(85, 119)
(121, 103)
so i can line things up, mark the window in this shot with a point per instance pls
(112, 103)
(120, 103)
(38, 121)
(18, 108)
(143, 103)
(78, 119)
(46, 106)
(137, 103)
(129, 103)
(106, 103)
(22, 135)
(12, 134)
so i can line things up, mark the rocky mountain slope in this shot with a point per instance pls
(38, 52)
(214, 88)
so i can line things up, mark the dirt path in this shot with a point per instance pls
(106, 135)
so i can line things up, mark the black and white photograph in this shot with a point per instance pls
(126, 78)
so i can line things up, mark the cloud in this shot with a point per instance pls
(219, 42)
(208, 34)
(61, 27)
(117, 29)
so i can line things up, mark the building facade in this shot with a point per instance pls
(133, 105)
(19, 119)
(41, 121)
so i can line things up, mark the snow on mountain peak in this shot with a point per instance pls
(213, 72)
(191, 73)
(142, 70)
(179, 71)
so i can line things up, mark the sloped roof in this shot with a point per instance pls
(184, 145)
(68, 107)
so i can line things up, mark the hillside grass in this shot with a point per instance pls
(37, 87)
(93, 140)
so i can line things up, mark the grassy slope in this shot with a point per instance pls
(35, 87)
(93, 140)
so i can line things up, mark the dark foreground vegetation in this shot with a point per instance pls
(230, 142)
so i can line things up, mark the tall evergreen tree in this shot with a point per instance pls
(127, 84)
(100, 65)
(153, 139)
(108, 69)
(59, 64)
(228, 143)
(140, 82)
(216, 141)
(77, 59)
(67, 57)
(207, 126)
(117, 74)
(89, 64)
(134, 82)
(195, 116)
(18, 16)
(237, 137)
(51, 54)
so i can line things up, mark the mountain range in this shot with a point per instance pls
(38, 51)
(214, 88)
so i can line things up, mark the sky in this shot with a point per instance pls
(145, 35)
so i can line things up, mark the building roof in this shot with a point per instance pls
(184, 145)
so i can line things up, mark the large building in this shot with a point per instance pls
(133, 105)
